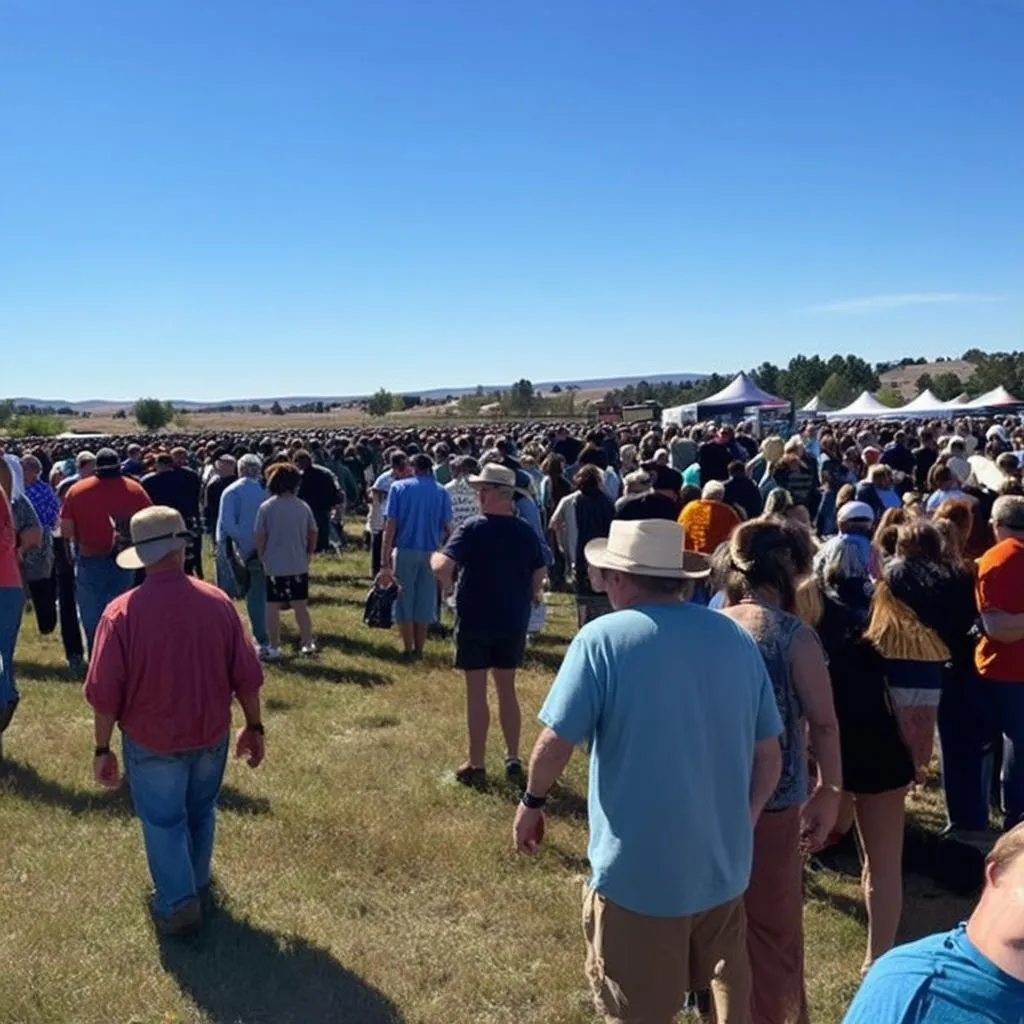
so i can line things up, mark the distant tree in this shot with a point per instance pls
(889, 396)
(380, 403)
(276, 410)
(152, 414)
(318, 407)
(973, 355)
(947, 386)
(556, 389)
(6, 412)
(836, 392)
(121, 414)
(255, 407)
(521, 396)
(924, 382)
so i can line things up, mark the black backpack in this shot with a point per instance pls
(379, 604)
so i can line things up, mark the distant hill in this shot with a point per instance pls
(904, 378)
(601, 384)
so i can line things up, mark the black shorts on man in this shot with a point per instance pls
(282, 589)
(476, 650)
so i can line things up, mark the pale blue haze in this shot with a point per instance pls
(229, 199)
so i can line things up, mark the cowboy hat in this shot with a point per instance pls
(156, 532)
(647, 547)
(495, 475)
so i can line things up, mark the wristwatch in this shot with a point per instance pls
(533, 803)
(258, 727)
(101, 751)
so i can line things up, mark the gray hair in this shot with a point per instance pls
(250, 465)
(1008, 512)
(714, 490)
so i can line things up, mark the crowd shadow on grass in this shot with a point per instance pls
(331, 599)
(550, 660)
(332, 674)
(40, 673)
(360, 648)
(23, 782)
(234, 972)
(344, 578)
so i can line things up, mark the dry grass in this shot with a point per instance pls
(361, 883)
(904, 378)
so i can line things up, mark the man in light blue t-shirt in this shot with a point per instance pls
(971, 975)
(678, 708)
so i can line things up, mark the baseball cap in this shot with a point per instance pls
(856, 510)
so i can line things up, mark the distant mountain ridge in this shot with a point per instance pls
(587, 384)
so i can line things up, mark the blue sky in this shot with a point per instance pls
(225, 199)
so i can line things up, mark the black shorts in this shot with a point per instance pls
(476, 650)
(282, 589)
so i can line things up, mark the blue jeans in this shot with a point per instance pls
(256, 601)
(98, 580)
(12, 602)
(1004, 703)
(175, 797)
(966, 731)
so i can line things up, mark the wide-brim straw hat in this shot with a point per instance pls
(495, 475)
(156, 532)
(647, 547)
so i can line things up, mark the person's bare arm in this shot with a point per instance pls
(67, 532)
(387, 544)
(443, 568)
(539, 576)
(765, 775)
(557, 527)
(547, 762)
(30, 538)
(261, 543)
(813, 687)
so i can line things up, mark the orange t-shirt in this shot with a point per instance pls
(93, 506)
(1000, 587)
(707, 524)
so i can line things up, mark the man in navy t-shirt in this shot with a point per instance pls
(971, 975)
(501, 575)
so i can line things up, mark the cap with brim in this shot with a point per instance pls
(156, 532)
(495, 475)
(647, 547)
(856, 510)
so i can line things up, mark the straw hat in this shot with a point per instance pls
(647, 547)
(156, 532)
(495, 475)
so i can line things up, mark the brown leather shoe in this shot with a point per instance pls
(186, 920)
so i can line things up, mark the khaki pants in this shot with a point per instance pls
(640, 968)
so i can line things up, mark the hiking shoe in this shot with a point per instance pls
(514, 772)
(308, 650)
(474, 778)
(270, 654)
(186, 920)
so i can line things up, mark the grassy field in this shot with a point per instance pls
(361, 883)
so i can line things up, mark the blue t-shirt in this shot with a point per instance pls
(423, 509)
(497, 557)
(941, 979)
(672, 698)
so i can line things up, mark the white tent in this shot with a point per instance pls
(960, 400)
(996, 398)
(677, 415)
(815, 407)
(741, 392)
(864, 406)
(926, 404)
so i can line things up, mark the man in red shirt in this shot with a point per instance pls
(96, 512)
(169, 657)
(1000, 654)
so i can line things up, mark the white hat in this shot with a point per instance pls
(156, 532)
(495, 475)
(647, 547)
(856, 510)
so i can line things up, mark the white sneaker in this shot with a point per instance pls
(270, 654)
(308, 650)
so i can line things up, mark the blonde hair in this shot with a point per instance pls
(1008, 848)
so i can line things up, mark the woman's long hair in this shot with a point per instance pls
(767, 553)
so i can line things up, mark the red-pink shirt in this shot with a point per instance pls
(10, 571)
(167, 660)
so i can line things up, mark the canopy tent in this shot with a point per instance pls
(815, 407)
(997, 398)
(926, 404)
(864, 406)
(962, 399)
(740, 394)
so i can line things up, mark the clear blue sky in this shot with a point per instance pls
(226, 199)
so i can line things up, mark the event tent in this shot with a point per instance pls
(960, 400)
(815, 407)
(864, 406)
(741, 393)
(926, 404)
(994, 399)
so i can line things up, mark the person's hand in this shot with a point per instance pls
(250, 745)
(105, 770)
(818, 819)
(385, 578)
(528, 830)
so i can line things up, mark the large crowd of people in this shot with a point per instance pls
(775, 634)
